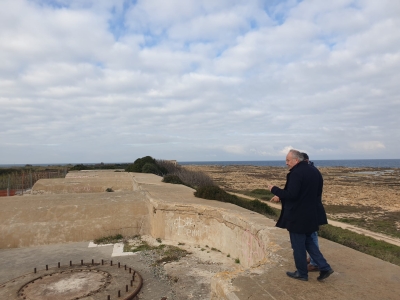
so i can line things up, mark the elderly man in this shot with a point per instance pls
(300, 213)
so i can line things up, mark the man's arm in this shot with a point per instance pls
(275, 199)
(292, 189)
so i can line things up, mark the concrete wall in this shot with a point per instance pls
(46, 219)
(175, 214)
(61, 214)
(85, 182)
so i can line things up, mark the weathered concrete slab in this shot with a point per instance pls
(47, 219)
(85, 182)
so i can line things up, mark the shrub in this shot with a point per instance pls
(174, 179)
(147, 164)
(80, 167)
(150, 168)
(194, 179)
(262, 194)
(139, 163)
(216, 193)
(167, 166)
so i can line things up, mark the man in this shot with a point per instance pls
(300, 213)
(312, 265)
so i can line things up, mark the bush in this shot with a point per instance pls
(167, 166)
(147, 164)
(262, 194)
(194, 179)
(216, 193)
(139, 163)
(150, 168)
(80, 167)
(174, 179)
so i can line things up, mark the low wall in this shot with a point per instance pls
(175, 214)
(47, 219)
(151, 207)
(84, 183)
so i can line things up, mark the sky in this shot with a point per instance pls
(89, 81)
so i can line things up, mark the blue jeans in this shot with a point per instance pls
(301, 244)
(314, 237)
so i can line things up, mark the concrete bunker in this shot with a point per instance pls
(60, 210)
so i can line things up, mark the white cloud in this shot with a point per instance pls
(367, 146)
(198, 80)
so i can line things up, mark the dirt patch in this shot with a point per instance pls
(191, 268)
(369, 187)
(367, 197)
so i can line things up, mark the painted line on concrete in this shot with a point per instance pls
(118, 249)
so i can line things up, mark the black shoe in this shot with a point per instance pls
(324, 274)
(296, 275)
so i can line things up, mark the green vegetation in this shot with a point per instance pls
(262, 194)
(166, 253)
(174, 179)
(362, 243)
(100, 166)
(146, 164)
(109, 239)
(371, 218)
(170, 253)
(378, 221)
(216, 193)
(109, 190)
(237, 260)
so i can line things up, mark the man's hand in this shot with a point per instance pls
(275, 199)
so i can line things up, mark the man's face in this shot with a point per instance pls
(290, 161)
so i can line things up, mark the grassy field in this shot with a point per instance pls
(384, 222)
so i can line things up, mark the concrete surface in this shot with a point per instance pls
(173, 213)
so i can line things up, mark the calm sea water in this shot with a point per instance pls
(350, 163)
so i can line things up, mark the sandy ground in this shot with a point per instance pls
(370, 187)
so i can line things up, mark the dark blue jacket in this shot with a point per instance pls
(302, 209)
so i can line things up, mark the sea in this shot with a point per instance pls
(350, 163)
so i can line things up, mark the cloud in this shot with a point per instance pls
(368, 146)
(198, 80)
